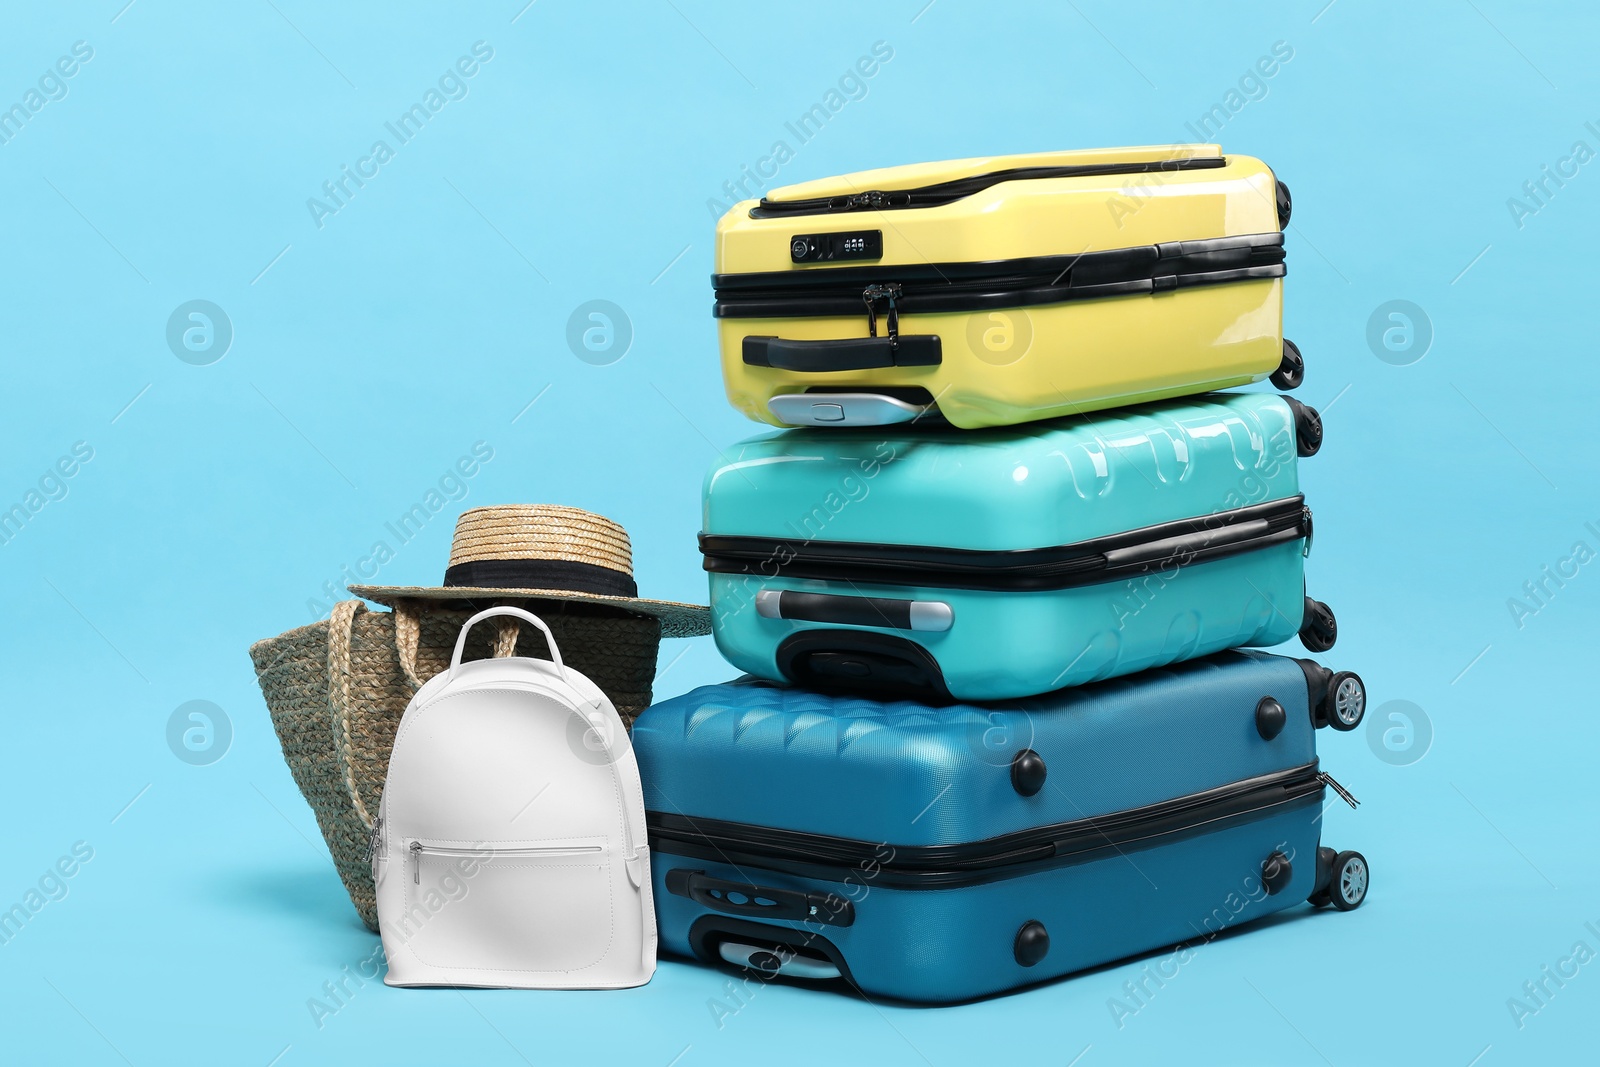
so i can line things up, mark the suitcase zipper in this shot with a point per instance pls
(1004, 283)
(417, 848)
(943, 193)
(1009, 855)
(890, 295)
(1344, 794)
(1102, 559)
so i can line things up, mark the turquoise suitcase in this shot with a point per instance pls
(986, 565)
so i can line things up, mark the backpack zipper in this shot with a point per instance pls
(417, 848)
(374, 845)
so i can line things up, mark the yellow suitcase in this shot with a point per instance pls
(1005, 289)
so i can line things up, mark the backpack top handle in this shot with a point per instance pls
(506, 609)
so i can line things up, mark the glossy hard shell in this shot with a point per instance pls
(1016, 365)
(917, 175)
(1051, 484)
(953, 945)
(904, 774)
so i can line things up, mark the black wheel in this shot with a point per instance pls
(1292, 371)
(1346, 703)
(1321, 898)
(1319, 629)
(1307, 428)
(1348, 888)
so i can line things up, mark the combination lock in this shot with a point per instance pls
(829, 247)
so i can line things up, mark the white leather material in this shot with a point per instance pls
(510, 847)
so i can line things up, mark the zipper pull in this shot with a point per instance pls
(374, 844)
(1306, 521)
(872, 198)
(1344, 794)
(416, 863)
(889, 292)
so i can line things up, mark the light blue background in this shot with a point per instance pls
(430, 310)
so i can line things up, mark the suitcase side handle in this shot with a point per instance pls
(1175, 549)
(931, 616)
(742, 898)
(843, 354)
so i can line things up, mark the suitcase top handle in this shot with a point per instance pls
(525, 616)
(940, 192)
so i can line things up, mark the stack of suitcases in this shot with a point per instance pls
(992, 591)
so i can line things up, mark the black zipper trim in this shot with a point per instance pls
(1100, 559)
(837, 859)
(1003, 283)
(943, 193)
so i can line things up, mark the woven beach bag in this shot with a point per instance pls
(336, 690)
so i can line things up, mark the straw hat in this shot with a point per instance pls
(544, 552)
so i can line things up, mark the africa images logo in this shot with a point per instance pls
(851, 86)
(337, 192)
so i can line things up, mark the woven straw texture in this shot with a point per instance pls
(540, 531)
(336, 691)
(545, 532)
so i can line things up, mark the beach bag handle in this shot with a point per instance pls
(407, 636)
(340, 621)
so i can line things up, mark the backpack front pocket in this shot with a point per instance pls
(507, 908)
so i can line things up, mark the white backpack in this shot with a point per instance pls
(510, 845)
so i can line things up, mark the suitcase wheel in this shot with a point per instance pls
(1348, 886)
(1307, 428)
(1346, 703)
(1344, 878)
(1325, 857)
(1292, 371)
(1319, 630)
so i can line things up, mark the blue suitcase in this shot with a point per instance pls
(986, 565)
(943, 853)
